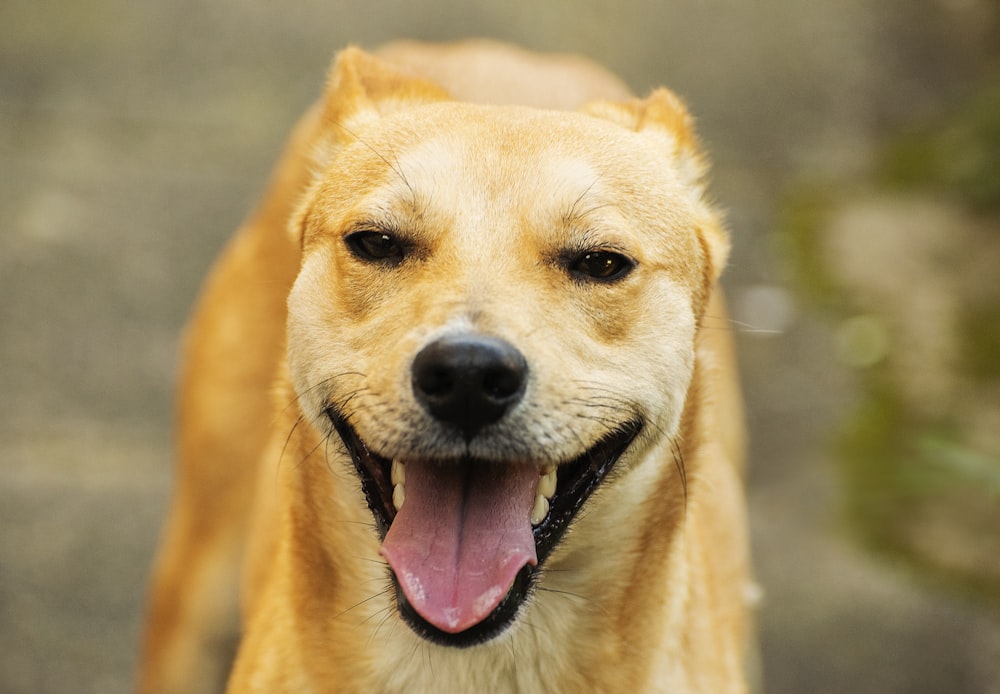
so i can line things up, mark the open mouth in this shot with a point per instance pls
(465, 538)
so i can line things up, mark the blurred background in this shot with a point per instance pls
(856, 147)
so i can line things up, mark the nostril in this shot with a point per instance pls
(469, 380)
(502, 383)
(435, 381)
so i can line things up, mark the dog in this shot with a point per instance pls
(459, 410)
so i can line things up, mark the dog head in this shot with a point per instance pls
(496, 312)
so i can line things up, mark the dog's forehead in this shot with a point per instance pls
(523, 166)
(521, 147)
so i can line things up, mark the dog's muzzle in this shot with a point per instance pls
(465, 537)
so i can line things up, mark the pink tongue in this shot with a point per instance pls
(460, 539)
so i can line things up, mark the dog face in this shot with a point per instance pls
(496, 312)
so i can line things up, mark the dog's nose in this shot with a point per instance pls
(469, 381)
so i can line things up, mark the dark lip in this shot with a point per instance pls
(576, 481)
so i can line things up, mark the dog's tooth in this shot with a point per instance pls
(547, 483)
(398, 496)
(398, 473)
(540, 510)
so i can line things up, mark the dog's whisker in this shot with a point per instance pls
(591, 604)
(748, 328)
(323, 442)
(539, 632)
(353, 397)
(385, 616)
(297, 397)
(711, 321)
(298, 420)
(358, 604)
(393, 166)
(573, 215)
(681, 469)
(366, 524)
(566, 593)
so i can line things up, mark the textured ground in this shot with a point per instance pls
(134, 137)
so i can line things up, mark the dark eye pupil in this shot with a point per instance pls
(602, 265)
(375, 245)
(379, 244)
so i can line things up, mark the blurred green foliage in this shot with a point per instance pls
(960, 154)
(920, 488)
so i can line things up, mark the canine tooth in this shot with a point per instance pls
(398, 496)
(398, 473)
(540, 509)
(547, 483)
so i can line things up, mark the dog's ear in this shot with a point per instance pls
(363, 88)
(664, 116)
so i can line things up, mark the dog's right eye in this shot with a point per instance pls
(375, 246)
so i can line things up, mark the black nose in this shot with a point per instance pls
(469, 381)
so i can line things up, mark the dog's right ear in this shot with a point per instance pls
(361, 89)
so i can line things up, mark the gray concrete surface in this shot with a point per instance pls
(135, 135)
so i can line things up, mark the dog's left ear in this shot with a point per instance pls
(664, 116)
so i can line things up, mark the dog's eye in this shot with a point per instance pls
(375, 246)
(603, 266)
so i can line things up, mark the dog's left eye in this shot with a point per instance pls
(375, 246)
(603, 266)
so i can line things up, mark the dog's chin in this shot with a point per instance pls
(577, 479)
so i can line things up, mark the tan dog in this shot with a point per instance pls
(496, 449)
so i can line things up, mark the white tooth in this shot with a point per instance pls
(547, 483)
(540, 510)
(398, 496)
(398, 473)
